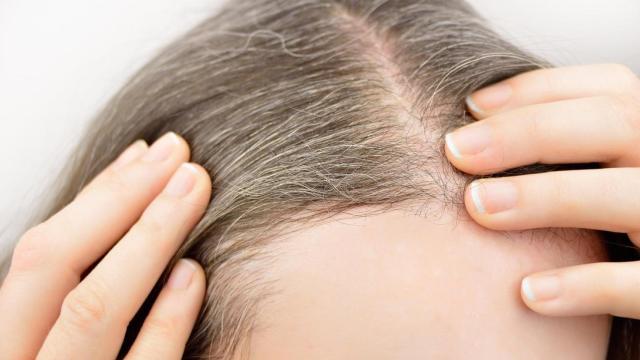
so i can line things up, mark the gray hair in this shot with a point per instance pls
(302, 109)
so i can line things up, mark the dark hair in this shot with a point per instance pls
(301, 109)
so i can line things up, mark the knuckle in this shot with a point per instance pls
(624, 74)
(162, 326)
(611, 189)
(163, 214)
(608, 287)
(537, 133)
(626, 109)
(84, 308)
(115, 183)
(548, 80)
(562, 192)
(158, 233)
(31, 250)
(543, 80)
(149, 225)
(536, 126)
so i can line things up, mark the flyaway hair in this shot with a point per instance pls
(299, 110)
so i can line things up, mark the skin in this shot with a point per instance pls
(575, 114)
(423, 291)
(438, 289)
(402, 286)
(153, 197)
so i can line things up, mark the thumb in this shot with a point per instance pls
(590, 289)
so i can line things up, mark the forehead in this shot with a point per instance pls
(396, 285)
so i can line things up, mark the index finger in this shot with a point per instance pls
(553, 84)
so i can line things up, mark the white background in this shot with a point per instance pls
(61, 60)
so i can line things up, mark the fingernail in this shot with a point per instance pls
(131, 153)
(162, 148)
(182, 181)
(493, 196)
(469, 140)
(181, 275)
(489, 98)
(541, 287)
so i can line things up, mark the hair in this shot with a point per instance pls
(303, 109)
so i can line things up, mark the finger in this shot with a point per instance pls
(602, 129)
(547, 85)
(604, 199)
(95, 314)
(50, 258)
(600, 288)
(166, 329)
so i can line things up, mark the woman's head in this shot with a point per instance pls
(307, 111)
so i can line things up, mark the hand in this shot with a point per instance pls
(561, 115)
(153, 197)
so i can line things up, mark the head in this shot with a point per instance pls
(336, 228)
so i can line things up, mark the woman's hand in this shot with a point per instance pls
(136, 213)
(562, 115)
